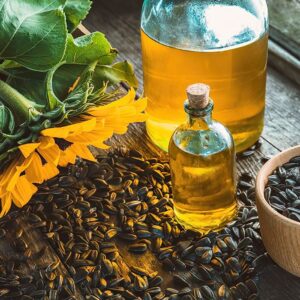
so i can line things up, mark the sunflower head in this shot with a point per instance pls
(61, 145)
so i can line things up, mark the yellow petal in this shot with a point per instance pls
(50, 154)
(65, 131)
(101, 145)
(8, 172)
(127, 99)
(50, 171)
(34, 172)
(121, 129)
(141, 104)
(6, 201)
(122, 115)
(91, 137)
(66, 157)
(46, 142)
(112, 127)
(27, 149)
(23, 192)
(2, 192)
(82, 151)
(17, 172)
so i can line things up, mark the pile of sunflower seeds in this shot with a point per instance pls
(19, 276)
(283, 189)
(93, 213)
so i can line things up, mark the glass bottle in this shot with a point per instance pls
(202, 162)
(221, 42)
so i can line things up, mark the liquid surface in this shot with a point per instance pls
(203, 187)
(204, 25)
(222, 46)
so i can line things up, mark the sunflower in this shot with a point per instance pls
(96, 126)
(59, 146)
(36, 163)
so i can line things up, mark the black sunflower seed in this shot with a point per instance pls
(125, 202)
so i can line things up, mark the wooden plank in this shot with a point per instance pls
(284, 62)
(283, 110)
(285, 23)
(276, 284)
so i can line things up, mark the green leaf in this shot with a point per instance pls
(89, 48)
(33, 33)
(65, 77)
(9, 64)
(32, 84)
(122, 71)
(67, 74)
(29, 83)
(49, 90)
(35, 86)
(76, 11)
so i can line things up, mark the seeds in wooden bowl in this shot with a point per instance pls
(283, 189)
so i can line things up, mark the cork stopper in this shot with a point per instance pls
(198, 95)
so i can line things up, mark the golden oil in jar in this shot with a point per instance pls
(202, 162)
(222, 43)
(237, 77)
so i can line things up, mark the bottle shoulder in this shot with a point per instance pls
(211, 140)
(202, 23)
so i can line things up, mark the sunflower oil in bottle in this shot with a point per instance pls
(223, 43)
(202, 162)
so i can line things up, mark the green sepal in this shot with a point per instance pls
(37, 128)
(17, 135)
(23, 109)
(55, 113)
(28, 139)
(79, 96)
(53, 101)
(5, 145)
(7, 122)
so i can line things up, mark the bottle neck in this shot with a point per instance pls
(199, 119)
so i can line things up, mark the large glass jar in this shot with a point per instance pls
(223, 43)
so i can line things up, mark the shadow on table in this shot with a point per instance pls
(277, 284)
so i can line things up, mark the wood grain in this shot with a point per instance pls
(285, 24)
(120, 21)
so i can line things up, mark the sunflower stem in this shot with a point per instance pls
(21, 107)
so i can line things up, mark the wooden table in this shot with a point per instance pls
(119, 20)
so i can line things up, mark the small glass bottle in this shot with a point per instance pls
(202, 162)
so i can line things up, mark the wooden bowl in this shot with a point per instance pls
(281, 235)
